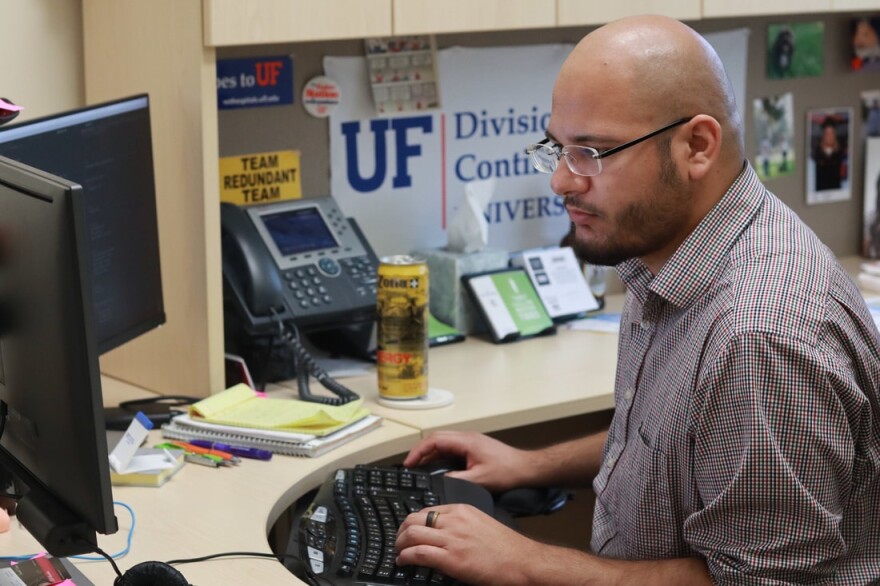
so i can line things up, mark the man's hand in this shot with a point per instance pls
(500, 467)
(489, 462)
(470, 546)
(466, 544)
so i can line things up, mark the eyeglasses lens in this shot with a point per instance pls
(581, 160)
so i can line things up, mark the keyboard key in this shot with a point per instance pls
(421, 575)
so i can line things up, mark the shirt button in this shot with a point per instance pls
(609, 462)
(628, 395)
(645, 326)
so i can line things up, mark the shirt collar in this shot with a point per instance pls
(696, 263)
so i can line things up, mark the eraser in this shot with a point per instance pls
(145, 421)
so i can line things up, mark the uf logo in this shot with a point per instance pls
(404, 150)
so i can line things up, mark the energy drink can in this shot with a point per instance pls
(402, 333)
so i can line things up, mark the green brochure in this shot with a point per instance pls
(510, 305)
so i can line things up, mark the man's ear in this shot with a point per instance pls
(704, 145)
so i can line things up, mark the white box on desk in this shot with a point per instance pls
(448, 299)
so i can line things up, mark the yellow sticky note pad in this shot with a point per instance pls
(211, 406)
(260, 177)
(240, 406)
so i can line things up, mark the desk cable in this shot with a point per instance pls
(111, 558)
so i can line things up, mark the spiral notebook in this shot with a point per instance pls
(279, 442)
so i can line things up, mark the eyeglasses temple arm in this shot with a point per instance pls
(626, 145)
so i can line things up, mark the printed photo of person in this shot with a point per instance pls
(829, 134)
(795, 50)
(866, 44)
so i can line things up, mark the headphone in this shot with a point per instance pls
(151, 574)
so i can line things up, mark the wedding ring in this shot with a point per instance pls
(431, 521)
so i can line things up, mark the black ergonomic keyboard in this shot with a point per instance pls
(346, 535)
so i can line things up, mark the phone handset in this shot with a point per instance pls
(249, 269)
(258, 291)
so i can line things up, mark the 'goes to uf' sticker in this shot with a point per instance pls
(260, 81)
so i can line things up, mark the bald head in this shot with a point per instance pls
(658, 70)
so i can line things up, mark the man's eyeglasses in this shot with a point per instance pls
(583, 160)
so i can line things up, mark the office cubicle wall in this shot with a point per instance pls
(837, 224)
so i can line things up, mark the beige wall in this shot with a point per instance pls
(41, 48)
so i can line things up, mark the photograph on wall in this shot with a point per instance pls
(774, 131)
(865, 39)
(871, 113)
(829, 144)
(795, 50)
(871, 240)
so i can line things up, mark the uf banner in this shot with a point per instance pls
(403, 176)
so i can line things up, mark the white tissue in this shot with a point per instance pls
(468, 228)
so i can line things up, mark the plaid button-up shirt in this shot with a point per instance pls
(747, 422)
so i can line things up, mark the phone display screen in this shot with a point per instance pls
(299, 231)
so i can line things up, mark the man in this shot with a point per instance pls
(744, 445)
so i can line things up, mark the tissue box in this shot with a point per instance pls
(449, 300)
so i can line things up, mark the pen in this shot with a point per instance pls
(220, 458)
(201, 460)
(242, 451)
(202, 451)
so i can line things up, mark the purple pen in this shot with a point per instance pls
(241, 451)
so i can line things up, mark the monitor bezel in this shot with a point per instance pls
(94, 113)
(53, 441)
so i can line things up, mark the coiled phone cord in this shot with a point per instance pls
(306, 366)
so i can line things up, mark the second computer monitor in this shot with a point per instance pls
(106, 148)
(52, 438)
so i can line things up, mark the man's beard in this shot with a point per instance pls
(643, 227)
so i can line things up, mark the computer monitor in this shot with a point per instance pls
(108, 150)
(52, 439)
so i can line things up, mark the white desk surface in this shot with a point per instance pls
(506, 386)
(202, 510)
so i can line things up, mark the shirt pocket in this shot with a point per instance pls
(647, 522)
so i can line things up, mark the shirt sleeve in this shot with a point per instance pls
(773, 457)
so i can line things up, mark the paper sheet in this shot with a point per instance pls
(601, 322)
(240, 405)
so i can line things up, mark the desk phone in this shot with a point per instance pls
(301, 259)
(296, 265)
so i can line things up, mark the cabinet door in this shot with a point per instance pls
(580, 12)
(714, 8)
(254, 22)
(433, 16)
(846, 5)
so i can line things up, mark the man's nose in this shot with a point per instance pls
(563, 181)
